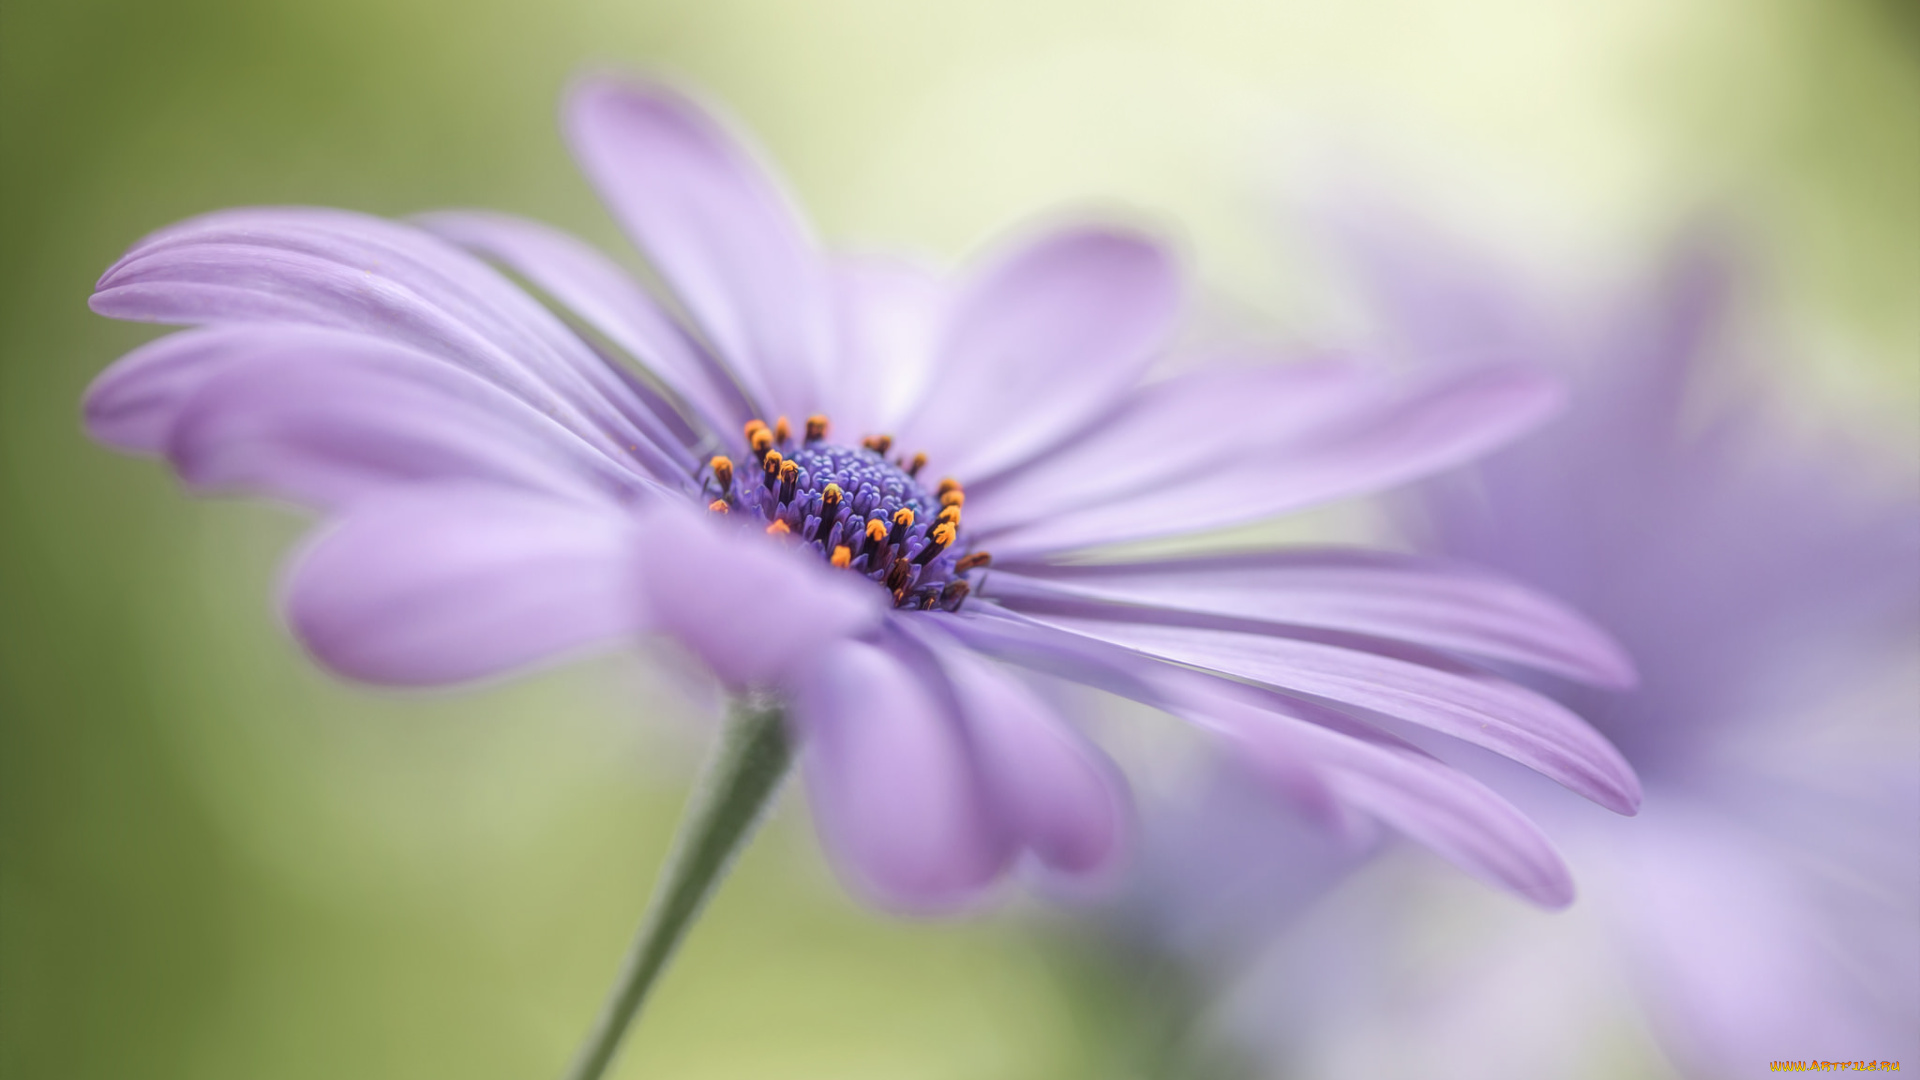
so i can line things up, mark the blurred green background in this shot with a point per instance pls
(218, 863)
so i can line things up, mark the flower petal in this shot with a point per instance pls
(716, 226)
(335, 269)
(893, 788)
(460, 584)
(596, 289)
(754, 609)
(891, 313)
(1404, 435)
(133, 404)
(1061, 795)
(326, 418)
(1040, 343)
(1459, 818)
(1399, 597)
(1168, 432)
(1319, 761)
(1468, 705)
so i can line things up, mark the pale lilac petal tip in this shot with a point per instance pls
(325, 419)
(132, 405)
(1456, 816)
(1472, 706)
(892, 786)
(714, 222)
(297, 268)
(460, 584)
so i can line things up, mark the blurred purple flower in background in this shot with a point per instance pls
(501, 487)
(1766, 906)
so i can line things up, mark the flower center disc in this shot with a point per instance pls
(860, 511)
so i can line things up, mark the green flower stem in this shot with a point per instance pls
(753, 757)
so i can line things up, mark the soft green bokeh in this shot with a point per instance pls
(218, 863)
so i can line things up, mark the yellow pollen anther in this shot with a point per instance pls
(842, 555)
(816, 427)
(789, 470)
(832, 495)
(722, 473)
(949, 515)
(956, 497)
(879, 444)
(779, 528)
(771, 465)
(876, 531)
(947, 484)
(903, 517)
(761, 440)
(972, 562)
(718, 506)
(753, 425)
(782, 431)
(919, 462)
(941, 536)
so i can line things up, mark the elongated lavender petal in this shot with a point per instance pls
(295, 267)
(1321, 762)
(1041, 342)
(326, 419)
(596, 289)
(1168, 432)
(1459, 818)
(133, 404)
(754, 611)
(1060, 794)
(459, 583)
(1477, 708)
(893, 789)
(715, 224)
(891, 314)
(1399, 597)
(1447, 421)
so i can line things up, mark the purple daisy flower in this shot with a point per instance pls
(501, 485)
(1766, 906)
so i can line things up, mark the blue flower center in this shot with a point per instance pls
(860, 511)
